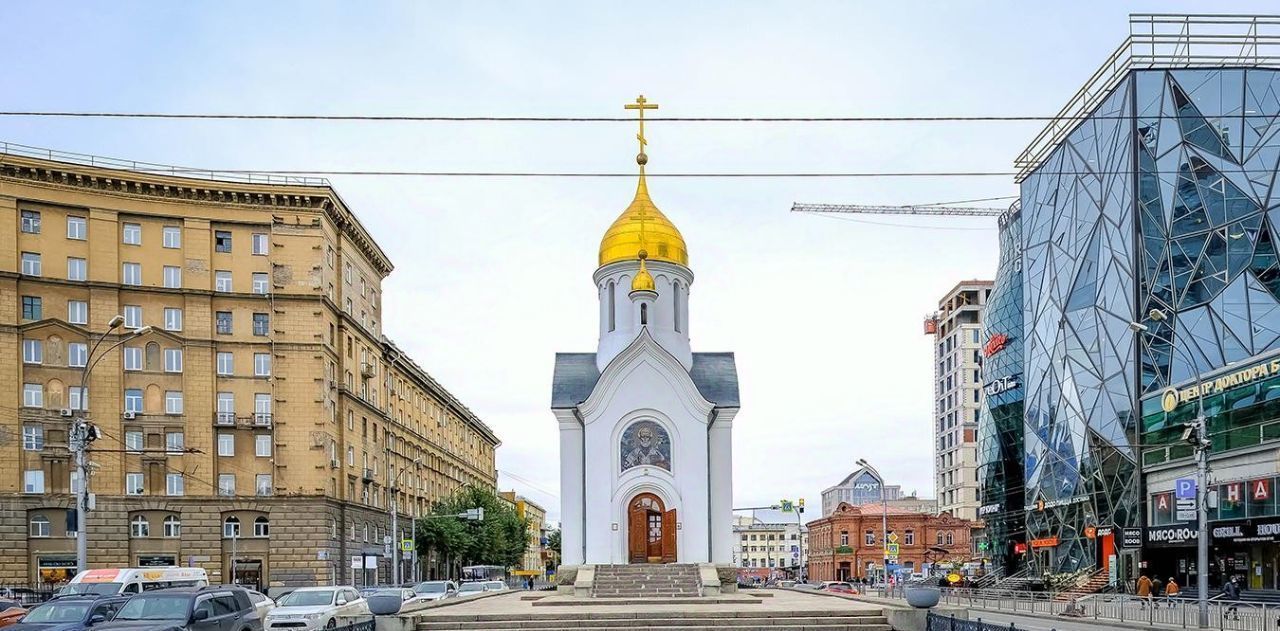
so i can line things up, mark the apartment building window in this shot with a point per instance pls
(261, 322)
(260, 283)
(76, 228)
(133, 484)
(172, 527)
(262, 364)
(139, 527)
(32, 351)
(221, 241)
(77, 354)
(133, 441)
(33, 481)
(133, 358)
(31, 221)
(222, 280)
(77, 312)
(32, 437)
(260, 243)
(31, 263)
(172, 237)
(226, 364)
(222, 322)
(263, 487)
(262, 405)
(227, 403)
(869, 537)
(132, 234)
(131, 274)
(909, 537)
(77, 269)
(226, 445)
(173, 360)
(132, 316)
(32, 395)
(227, 488)
(32, 308)
(262, 445)
(351, 456)
(347, 274)
(173, 402)
(174, 484)
(348, 306)
(231, 528)
(172, 276)
(78, 398)
(133, 400)
(173, 442)
(172, 319)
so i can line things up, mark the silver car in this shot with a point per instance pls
(436, 590)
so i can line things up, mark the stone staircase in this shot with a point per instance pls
(1091, 585)
(818, 620)
(647, 581)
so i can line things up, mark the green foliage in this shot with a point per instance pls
(501, 539)
(553, 541)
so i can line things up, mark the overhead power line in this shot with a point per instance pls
(562, 119)
(957, 211)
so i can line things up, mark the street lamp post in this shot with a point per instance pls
(81, 437)
(396, 578)
(884, 516)
(1197, 434)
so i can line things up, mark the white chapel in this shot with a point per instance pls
(646, 453)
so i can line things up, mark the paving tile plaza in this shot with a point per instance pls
(780, 601)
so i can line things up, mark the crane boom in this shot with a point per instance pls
(957, 211)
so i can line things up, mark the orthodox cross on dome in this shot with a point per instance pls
(641, 105)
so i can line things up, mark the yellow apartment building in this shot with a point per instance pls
(262, 427)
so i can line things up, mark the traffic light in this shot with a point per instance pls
(800, 505)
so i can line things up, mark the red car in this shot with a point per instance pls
(10, 612)
(837, 587)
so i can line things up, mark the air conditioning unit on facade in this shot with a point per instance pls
(65, 412)
(130, 415)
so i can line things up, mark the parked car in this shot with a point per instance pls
(436, 590)
(261, 604)
(838, 587)
(495, 586)
(308, 608)
(10, 612)
(68, 614)
(471, 589)
(206, 608)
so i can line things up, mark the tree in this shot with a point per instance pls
(553, 541)
(500, 539)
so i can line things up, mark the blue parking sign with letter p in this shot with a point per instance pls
(1184, 488)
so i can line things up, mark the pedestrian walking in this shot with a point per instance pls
(1171, 590)
(1231, 591)
(1156, 587)
(1144, 589)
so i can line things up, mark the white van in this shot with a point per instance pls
(134, 580)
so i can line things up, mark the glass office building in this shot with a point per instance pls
(1148, 257)
(1000, 422)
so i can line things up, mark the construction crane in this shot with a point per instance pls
(955, 211)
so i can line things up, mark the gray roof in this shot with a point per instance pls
(714, 374)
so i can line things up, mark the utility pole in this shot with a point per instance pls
(83, 433)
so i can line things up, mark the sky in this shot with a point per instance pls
(493, 276)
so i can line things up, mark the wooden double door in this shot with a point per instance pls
(651, 530)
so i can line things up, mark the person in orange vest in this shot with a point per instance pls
(1171, 589)
(1144, 589)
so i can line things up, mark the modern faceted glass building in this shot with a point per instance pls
(1152, 201)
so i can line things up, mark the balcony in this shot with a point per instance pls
(224, 419)
(262, 419)
(368, 475)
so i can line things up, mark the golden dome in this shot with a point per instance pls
(643, 280)
(642, 227)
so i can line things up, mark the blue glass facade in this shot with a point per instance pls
(1164, 198)
(1000, 422)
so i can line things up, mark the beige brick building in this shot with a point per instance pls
(264, 417)
(534, 563)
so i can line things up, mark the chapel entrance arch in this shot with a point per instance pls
(651, 530)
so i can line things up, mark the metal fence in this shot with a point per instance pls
(934, 622)
(27, 594)
(1224, 615)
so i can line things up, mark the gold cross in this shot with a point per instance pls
(641, 104)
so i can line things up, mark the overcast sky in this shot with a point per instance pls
(494, 276)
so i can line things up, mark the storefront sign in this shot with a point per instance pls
(1090, 532)
(1046, 542)
(1171, 398)
(1260, 490)
(156, 560)
(1248, 531)
(995, 344)
(1169, 535)
(988, 509)
(1019, 548)
(1103, 531)
(56, 569)
(1131, 538)
(1002, 385)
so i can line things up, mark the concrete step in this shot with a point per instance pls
(658, 618)
(860, 623)
(738, 626)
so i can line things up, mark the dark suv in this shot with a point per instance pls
(69, 614)
(212, 608)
